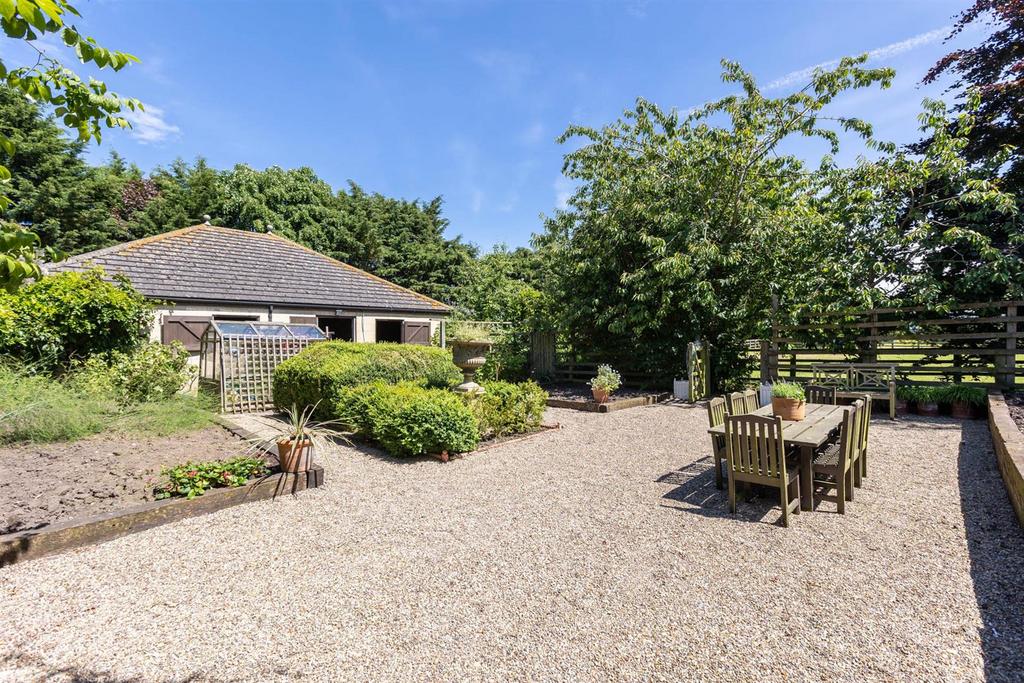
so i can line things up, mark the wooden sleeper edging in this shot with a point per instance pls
(1008, 443)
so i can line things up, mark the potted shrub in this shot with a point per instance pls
(927, 401)
(966, 402)
(788, 401)
(606, 382)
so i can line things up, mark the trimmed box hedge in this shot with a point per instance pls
(407, 419)
(322, 371)
(506, 408)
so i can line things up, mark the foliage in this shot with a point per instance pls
(687, 226)
(17, 256)
(71, 316)
(961, 393)
(407, 419)
(607, 379)
(84, 107)
(906, 392)
(992, 70)
(195, 478)
(506, 408)
(37, 408)
(152, 372)
(789, 390)
(318, 374)
(470, 331)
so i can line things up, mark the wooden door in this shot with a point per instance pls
(415, 332)
(186, 329)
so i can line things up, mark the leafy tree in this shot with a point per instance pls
(683, 229)
(992, 69)
(85, 107)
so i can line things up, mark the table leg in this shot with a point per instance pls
(806, 478)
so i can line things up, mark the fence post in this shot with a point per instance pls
(765, 377)
(773, 359)
(1010, 359)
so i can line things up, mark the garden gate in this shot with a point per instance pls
(697, 366)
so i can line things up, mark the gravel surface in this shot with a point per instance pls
(598, 551)
(44, 483)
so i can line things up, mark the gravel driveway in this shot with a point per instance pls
(599, 551)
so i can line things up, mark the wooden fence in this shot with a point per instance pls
(550, 360)
(975, 343)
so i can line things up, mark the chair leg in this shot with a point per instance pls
(795, 484)
(841, 493)
(857, 465)
(850, 477)
(719, 482)
(732, 493)
(784, 495)
(864, 462)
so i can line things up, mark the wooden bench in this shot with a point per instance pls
(855, 379)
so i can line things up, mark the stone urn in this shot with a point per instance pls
(470, 356)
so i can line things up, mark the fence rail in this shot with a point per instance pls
(975, 343)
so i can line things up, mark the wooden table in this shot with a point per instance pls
(807, 434)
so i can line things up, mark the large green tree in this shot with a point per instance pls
(687, 227)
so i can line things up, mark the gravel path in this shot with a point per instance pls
(595, 552)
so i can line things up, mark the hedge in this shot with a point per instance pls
(506, 408)
(320, 372)
(407, 419)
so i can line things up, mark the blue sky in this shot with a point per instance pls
(464, 98)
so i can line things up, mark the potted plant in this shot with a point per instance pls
(788, 401)
(927, 401)
(296, 445)
(470, 344)
(606, 381)
(905, 396)
(966, 402)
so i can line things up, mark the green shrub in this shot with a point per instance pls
(320, 372)
(194, 478)
(70, 316)
(152, 372)
(961, 393)
(407, 419)
(507, 408)
(788, 390)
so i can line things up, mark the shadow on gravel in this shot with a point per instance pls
(995, 542)
(41, 670)
(695, 486)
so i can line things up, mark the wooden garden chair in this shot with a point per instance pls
(836, 462)
(862, 442)
(756, 453)
(742, 402)
(716, 417)
(820, 394)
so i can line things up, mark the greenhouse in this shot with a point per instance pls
(239, 359)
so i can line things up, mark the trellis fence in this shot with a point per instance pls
(976, 343)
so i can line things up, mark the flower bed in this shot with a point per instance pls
(579, 397)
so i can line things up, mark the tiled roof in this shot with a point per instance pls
(210, 263)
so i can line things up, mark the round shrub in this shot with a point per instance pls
(506, 408)
(320, 372)
(407, 419)
(73, 315)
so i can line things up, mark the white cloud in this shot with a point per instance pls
(150, 125)
(885, 52)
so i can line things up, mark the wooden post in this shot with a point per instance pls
(542, 354)
(773, 358)
(765, 376)
(1010, 359)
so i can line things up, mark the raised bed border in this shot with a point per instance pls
(611, 406)
(1008, 443)
(82, 531)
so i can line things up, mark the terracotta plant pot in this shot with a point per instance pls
(789, 408)
(963, 411)
(600, 395)
(902, 407)
(929, 408)
(295, 458)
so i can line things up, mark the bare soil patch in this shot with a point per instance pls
(44, 483)
(581, 392)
